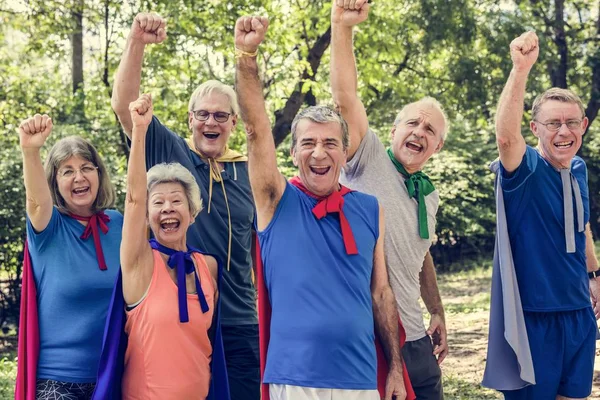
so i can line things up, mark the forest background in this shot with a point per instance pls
(59, 58)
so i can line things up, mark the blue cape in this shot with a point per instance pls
(114, 344)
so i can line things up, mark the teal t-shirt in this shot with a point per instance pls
(73, 295)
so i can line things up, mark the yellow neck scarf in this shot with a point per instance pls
(215, 174)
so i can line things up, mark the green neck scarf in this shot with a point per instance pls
(419, 185)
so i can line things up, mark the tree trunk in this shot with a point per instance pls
(285, 116)
(77, 57)
(105, 74)
(559, 71)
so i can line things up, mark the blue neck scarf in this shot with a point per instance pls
(183, 263)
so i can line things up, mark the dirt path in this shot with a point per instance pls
(466, 298)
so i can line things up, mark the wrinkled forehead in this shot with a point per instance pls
(311, 130)
(213, 101)
(557, 110)
(165, 188)
(423, 110)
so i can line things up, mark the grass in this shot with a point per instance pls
(456, 388)
(8, 373)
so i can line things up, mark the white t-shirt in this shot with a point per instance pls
(371, 171)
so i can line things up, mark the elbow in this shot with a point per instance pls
(117, 105)
(342, 99)
(504, 140)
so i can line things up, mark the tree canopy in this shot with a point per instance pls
(59, 58)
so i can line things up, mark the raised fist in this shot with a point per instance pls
(524, 51)
(34, 131)
(250, 32)
(141, 111)
(349, 12)
(148, 28)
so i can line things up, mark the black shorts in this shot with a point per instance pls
(47, 389)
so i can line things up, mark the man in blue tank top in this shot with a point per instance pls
(547, 212)
(322, 250)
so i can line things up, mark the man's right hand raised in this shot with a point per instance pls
(148, 28)
(349, 12)
(524, 51)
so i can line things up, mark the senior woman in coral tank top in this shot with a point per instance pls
(170, 290)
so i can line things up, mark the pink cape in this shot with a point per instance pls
(29, 334)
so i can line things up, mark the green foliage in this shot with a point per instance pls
(8, 373)
(455, 51)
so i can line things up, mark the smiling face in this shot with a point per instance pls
(319, 155)
(210, 137)
(77, 181)
(417, 135)
(169, 214)
(559, 147)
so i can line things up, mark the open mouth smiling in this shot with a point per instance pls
(414, 146)
(564, 145)
(318, 170)
(81, 190)
(169, 225)
(211, 135)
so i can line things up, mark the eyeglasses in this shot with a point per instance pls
(219, 116)
(70, 172)
(572, 125)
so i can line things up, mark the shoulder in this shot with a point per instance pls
(365, 202)
(363, 197)
(212, 264)
(114, 215)
(578, 164)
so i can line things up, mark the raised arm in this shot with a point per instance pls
(136, 254)
(33, 133)
(524, 51)
(343, 73)
(267, 182)
(431, 297)
(386, 318)
(146, 28)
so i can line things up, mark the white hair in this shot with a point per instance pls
(214, 86)
(427, 101)
(176, 173)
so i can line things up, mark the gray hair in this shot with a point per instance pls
(77, 146)
(427, 101)
(321, 115)
(558, 94)
(214, 86)
(176, 173)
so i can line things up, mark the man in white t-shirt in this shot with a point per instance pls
(409, 198)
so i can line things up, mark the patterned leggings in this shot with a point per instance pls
(47, 389)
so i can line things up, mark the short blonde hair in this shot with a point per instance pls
(77, 146)
(428, 101)
(558, 94)
(214, 86)
(176, 173)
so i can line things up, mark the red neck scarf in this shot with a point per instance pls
(331, 204)
(94, 222)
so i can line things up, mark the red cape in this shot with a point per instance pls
(29, 334)
(264, 330)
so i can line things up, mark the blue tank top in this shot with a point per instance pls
(322, 328)
(73, 295)
(549, 278)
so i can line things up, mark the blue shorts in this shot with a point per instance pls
(563, 346)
